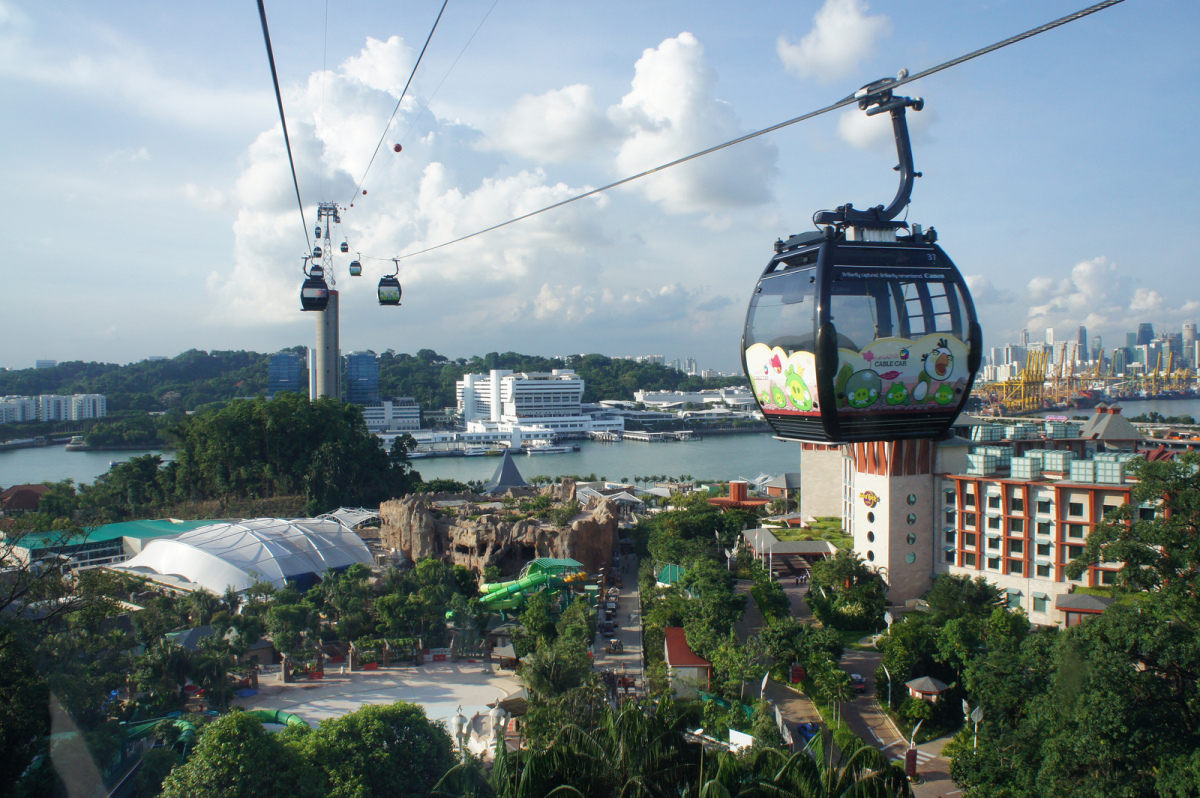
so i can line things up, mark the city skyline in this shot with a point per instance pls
(184, 230)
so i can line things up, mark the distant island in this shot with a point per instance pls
(195, 381)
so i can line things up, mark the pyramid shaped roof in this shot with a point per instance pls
(507, 476)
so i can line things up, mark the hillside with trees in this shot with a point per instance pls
(196, 378)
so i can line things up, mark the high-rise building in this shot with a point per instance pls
(689, 365)
(1145, 333)
(283, 373)
(1024, 339)
(1130, 340)
(1083, 341)
(1120, 360)
(1189, 333)
(45, 364)
(1097, 347)
(362, 378)
(1050, 335)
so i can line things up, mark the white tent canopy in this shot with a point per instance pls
(240, 554)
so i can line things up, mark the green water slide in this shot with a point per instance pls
(505, 595)
(187, 730)
(277, 716)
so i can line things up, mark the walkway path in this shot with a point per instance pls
(629, 628)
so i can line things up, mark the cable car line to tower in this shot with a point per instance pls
(852, 99)
(262, 15)
(396, 110)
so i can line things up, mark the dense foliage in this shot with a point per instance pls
(251, 449)
(187, 381)
(847, 594)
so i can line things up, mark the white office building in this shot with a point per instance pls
(528, 405)
(399, 414)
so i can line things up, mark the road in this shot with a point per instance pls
(866, 718)
(629, 629)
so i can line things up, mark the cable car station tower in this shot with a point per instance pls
(326, 362)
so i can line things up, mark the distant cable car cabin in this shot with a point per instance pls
(355, 268)
(345, 247)
(314, 294)
(863, 330)
(389, 286)
(317, 252)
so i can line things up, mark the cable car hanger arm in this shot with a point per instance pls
(875, 98)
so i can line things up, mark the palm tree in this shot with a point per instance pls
(820, 771)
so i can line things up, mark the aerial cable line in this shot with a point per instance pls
(852, 99)
(321, 115)
(388, 126)
(262, 14)
(448, 71)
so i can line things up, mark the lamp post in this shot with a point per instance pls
(976, 716)
(889, 678)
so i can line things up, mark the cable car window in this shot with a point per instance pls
(864, 310)
(782, 311)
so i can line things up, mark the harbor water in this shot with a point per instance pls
(719, 457)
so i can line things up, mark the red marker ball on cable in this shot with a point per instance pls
(397, 147)
(364, 191)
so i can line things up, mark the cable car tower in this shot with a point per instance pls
(326, 371)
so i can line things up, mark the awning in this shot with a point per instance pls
(1013, 591)
(1040, 596)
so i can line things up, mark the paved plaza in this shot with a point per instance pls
(439, 687)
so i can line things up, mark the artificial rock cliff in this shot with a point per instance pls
(419, 528)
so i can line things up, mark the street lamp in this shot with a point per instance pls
(889, 678)
(976, 716)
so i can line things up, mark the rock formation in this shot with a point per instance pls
(420, 526)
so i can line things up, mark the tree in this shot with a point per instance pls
(380, 750)
(237, 758)
(1154, 534)
(956, 596)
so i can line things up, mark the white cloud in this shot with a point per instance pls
(559, 125)
(984, 292)
(670, 112)
(128, 156)
(118, 70)
(1099, 297)
(843, 36)
(204, 196)
(415, 199)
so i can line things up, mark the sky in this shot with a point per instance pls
(150, 210)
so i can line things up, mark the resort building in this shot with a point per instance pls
(398, 414)
(52, 407)
(1011, 503)
(528, 405)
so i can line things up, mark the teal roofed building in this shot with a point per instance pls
(104, 545)
(549, 565)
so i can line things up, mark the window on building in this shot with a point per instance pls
(1043, 571)
(1014, 601)
(1016, 526)
(993, 543)
(1043, 506)
(1075, 530)
(1074, 551)
(968, 499)
(1016, 547)
(994, 502)
(950, 536)
(969, 559)
(994, 522)
(969, 520)
(951, 496)
(949, 556)
(1075, 508)
(1041, 603)
(1016, 567)
(1043, 528)
(1108, 577)
(993, 563)
(969, 540)
(1043, 549)
(1145, 513)
(950, 515)
(1017, 504)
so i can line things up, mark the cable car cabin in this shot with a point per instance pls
(317, 253)
(355, 268)
(389, 290)
(345, 247)
(861, 340)
(314, 294)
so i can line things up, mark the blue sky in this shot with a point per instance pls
(149, 209)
